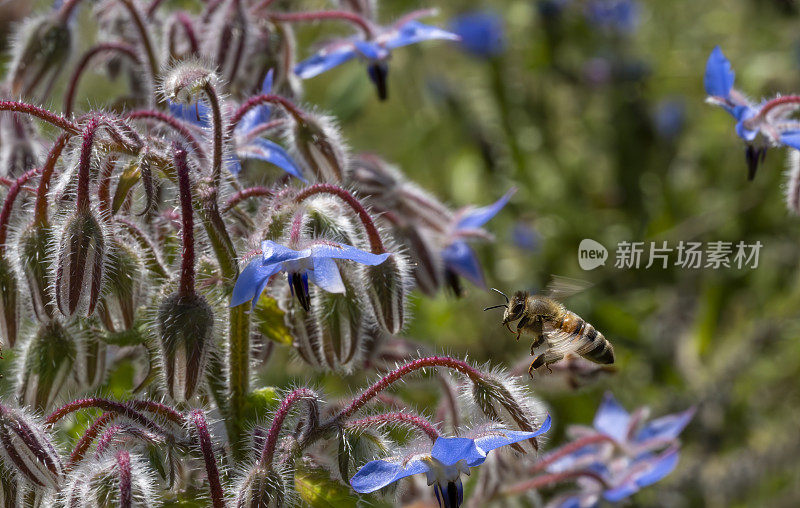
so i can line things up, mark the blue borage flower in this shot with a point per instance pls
(375, 51)
(443, 465)
(623, 478)
(246, 136)
(770, 118)
(482, 33)
(458, 256)
(314, 263)
(620, 16)
(640, 462)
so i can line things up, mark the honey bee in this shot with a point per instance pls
(556, 330)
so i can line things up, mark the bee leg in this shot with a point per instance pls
(521, 323)
(535, 364)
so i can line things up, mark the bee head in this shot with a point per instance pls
(515, 307)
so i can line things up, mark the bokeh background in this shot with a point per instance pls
(601, 126)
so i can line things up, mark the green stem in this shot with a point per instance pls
(239, 377)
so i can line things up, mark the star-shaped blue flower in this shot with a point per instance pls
(375, 51)
(443, 465)
(458, 256)
(623, 477)
(246, 136)
(718, 81)
(314, 263)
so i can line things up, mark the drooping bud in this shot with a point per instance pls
(80, 264)
(119, 479)
(47, 364)
(9, 303)
(387, 288)
(342, 322)
(34, 248)
(265, 488)
(325, 217)
(304, 329)
(185, 327)
(124, 285)
(18, 151)
(11, 492)
(187, 79)
(26, 449)
(90, 364)
(320, 146)
(43, 47)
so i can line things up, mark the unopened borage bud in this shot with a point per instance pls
(26, 449)
(80, 264)
(34, 247)
(186, 79)
(47, 364)
(9, 303)
(185, 327)
(387, 288)
(44, 44)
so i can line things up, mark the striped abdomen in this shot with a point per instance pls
(590, 343)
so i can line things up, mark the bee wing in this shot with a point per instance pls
(562, 343)
(560, 287)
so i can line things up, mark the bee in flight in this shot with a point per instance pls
(557, 331)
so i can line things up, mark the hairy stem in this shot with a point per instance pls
(250, 192)
(121, 48)
(350, 17)
(568, 449)
(206, 447)
(40, 113)
(8, 203)
(144, 37)
(186, 287)
(550, 479)
(396, 419)
(271, 441)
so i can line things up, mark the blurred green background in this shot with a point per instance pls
(573, 116)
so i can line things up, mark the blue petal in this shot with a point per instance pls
(197, 113)
(659, 468)
(252, 281)
(667, 427)
(496, 439)
(414, 32)
(269, 151)
(612, 419)
(459, 257)
(342, 251)
(325, 60)
(482, 33)
(266, 85)
(449, 450)
(371, 50)
(791, 138)
(276, 253)
(719, 77)
(326, 275)
(380, 473)
(258, 115)
(476, 218)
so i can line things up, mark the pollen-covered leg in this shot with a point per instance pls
(535, 364)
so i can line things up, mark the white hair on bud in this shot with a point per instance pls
(792, 185)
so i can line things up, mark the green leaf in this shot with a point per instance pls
(269, 321)
(317, 489)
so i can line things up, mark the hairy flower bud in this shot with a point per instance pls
(90, 361)
(34, 247)
(387, 288)
(42, 48)
(9, 303)
(186, 79)
(18, 151)
(80, 264)
(26, 449)
(304, 329)
(185, 327)
(118, 306)
(341, 321)
(320, 146)
(113, 479)
(47, 364)
(265, 488)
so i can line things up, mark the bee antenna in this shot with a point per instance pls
(504, 295)
(495, 307)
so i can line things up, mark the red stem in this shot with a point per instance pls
(395, 418)
(568, 449)
(188, 29)
(42, 114)
(108, 406)
(206, 447)
(40, 208)
(397, 374)
(250, 192)
(375, 243)
(277, 423)
(777, 101)
(350, 17)
(86, 440)
(84, 164)
(186, 287)
(121, 48)
(267, 98)
(549, 479)
(104, 188)
(8, 204)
